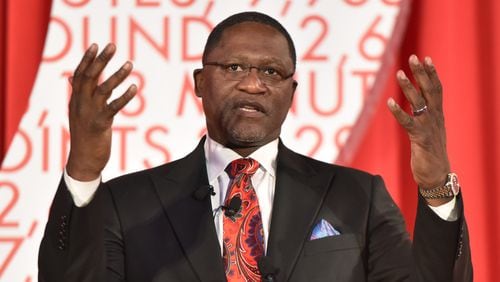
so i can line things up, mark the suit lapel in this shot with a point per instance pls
(191, 219)
(300, 190)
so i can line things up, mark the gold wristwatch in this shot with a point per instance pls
(450, 189)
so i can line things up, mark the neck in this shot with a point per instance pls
(241, 148)
(244, 151)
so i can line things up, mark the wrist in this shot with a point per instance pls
(81, 172)
(431, 181)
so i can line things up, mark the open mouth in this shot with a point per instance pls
(250, 107)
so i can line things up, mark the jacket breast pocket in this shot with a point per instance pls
(335, 258)
(332, 243)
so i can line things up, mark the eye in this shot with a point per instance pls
(233, 67)
(270, 71)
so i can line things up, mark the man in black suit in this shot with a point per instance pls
(321, 222)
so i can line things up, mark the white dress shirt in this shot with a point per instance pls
(218, 158)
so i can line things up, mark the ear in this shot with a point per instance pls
(294, 87)
(198, 82)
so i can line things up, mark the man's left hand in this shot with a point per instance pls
(425, 127)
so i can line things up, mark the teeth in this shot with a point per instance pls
(248, 109)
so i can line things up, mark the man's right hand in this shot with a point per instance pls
(91, 116)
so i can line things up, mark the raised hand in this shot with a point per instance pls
(425, 128)
(90, 114)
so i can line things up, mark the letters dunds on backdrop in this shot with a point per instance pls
(341, 47)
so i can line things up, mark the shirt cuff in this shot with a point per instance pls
(448, 211)
(82, 192)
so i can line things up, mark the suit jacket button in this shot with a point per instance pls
(62, 244)
(459, 249)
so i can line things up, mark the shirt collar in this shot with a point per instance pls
(218, 157)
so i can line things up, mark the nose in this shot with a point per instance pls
(251, 83)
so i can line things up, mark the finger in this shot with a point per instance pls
(435, 95)
(117, 104)
(95, 69)
(90, 76)
(86, 60)
(416, 100)
(401, 116)
(421, 76)
(105, 89)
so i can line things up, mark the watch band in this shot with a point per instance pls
(448, 190)
(436, 193)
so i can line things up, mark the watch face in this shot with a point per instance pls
(453, 182)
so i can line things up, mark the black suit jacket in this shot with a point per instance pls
(147, 226)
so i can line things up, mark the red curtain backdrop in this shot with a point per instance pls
(462, 37)
(23, 26)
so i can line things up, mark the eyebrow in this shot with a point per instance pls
(260, 61)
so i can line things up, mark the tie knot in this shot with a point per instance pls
(242, 166)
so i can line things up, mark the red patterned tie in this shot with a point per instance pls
(243, 242)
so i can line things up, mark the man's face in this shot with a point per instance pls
(247, 113)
